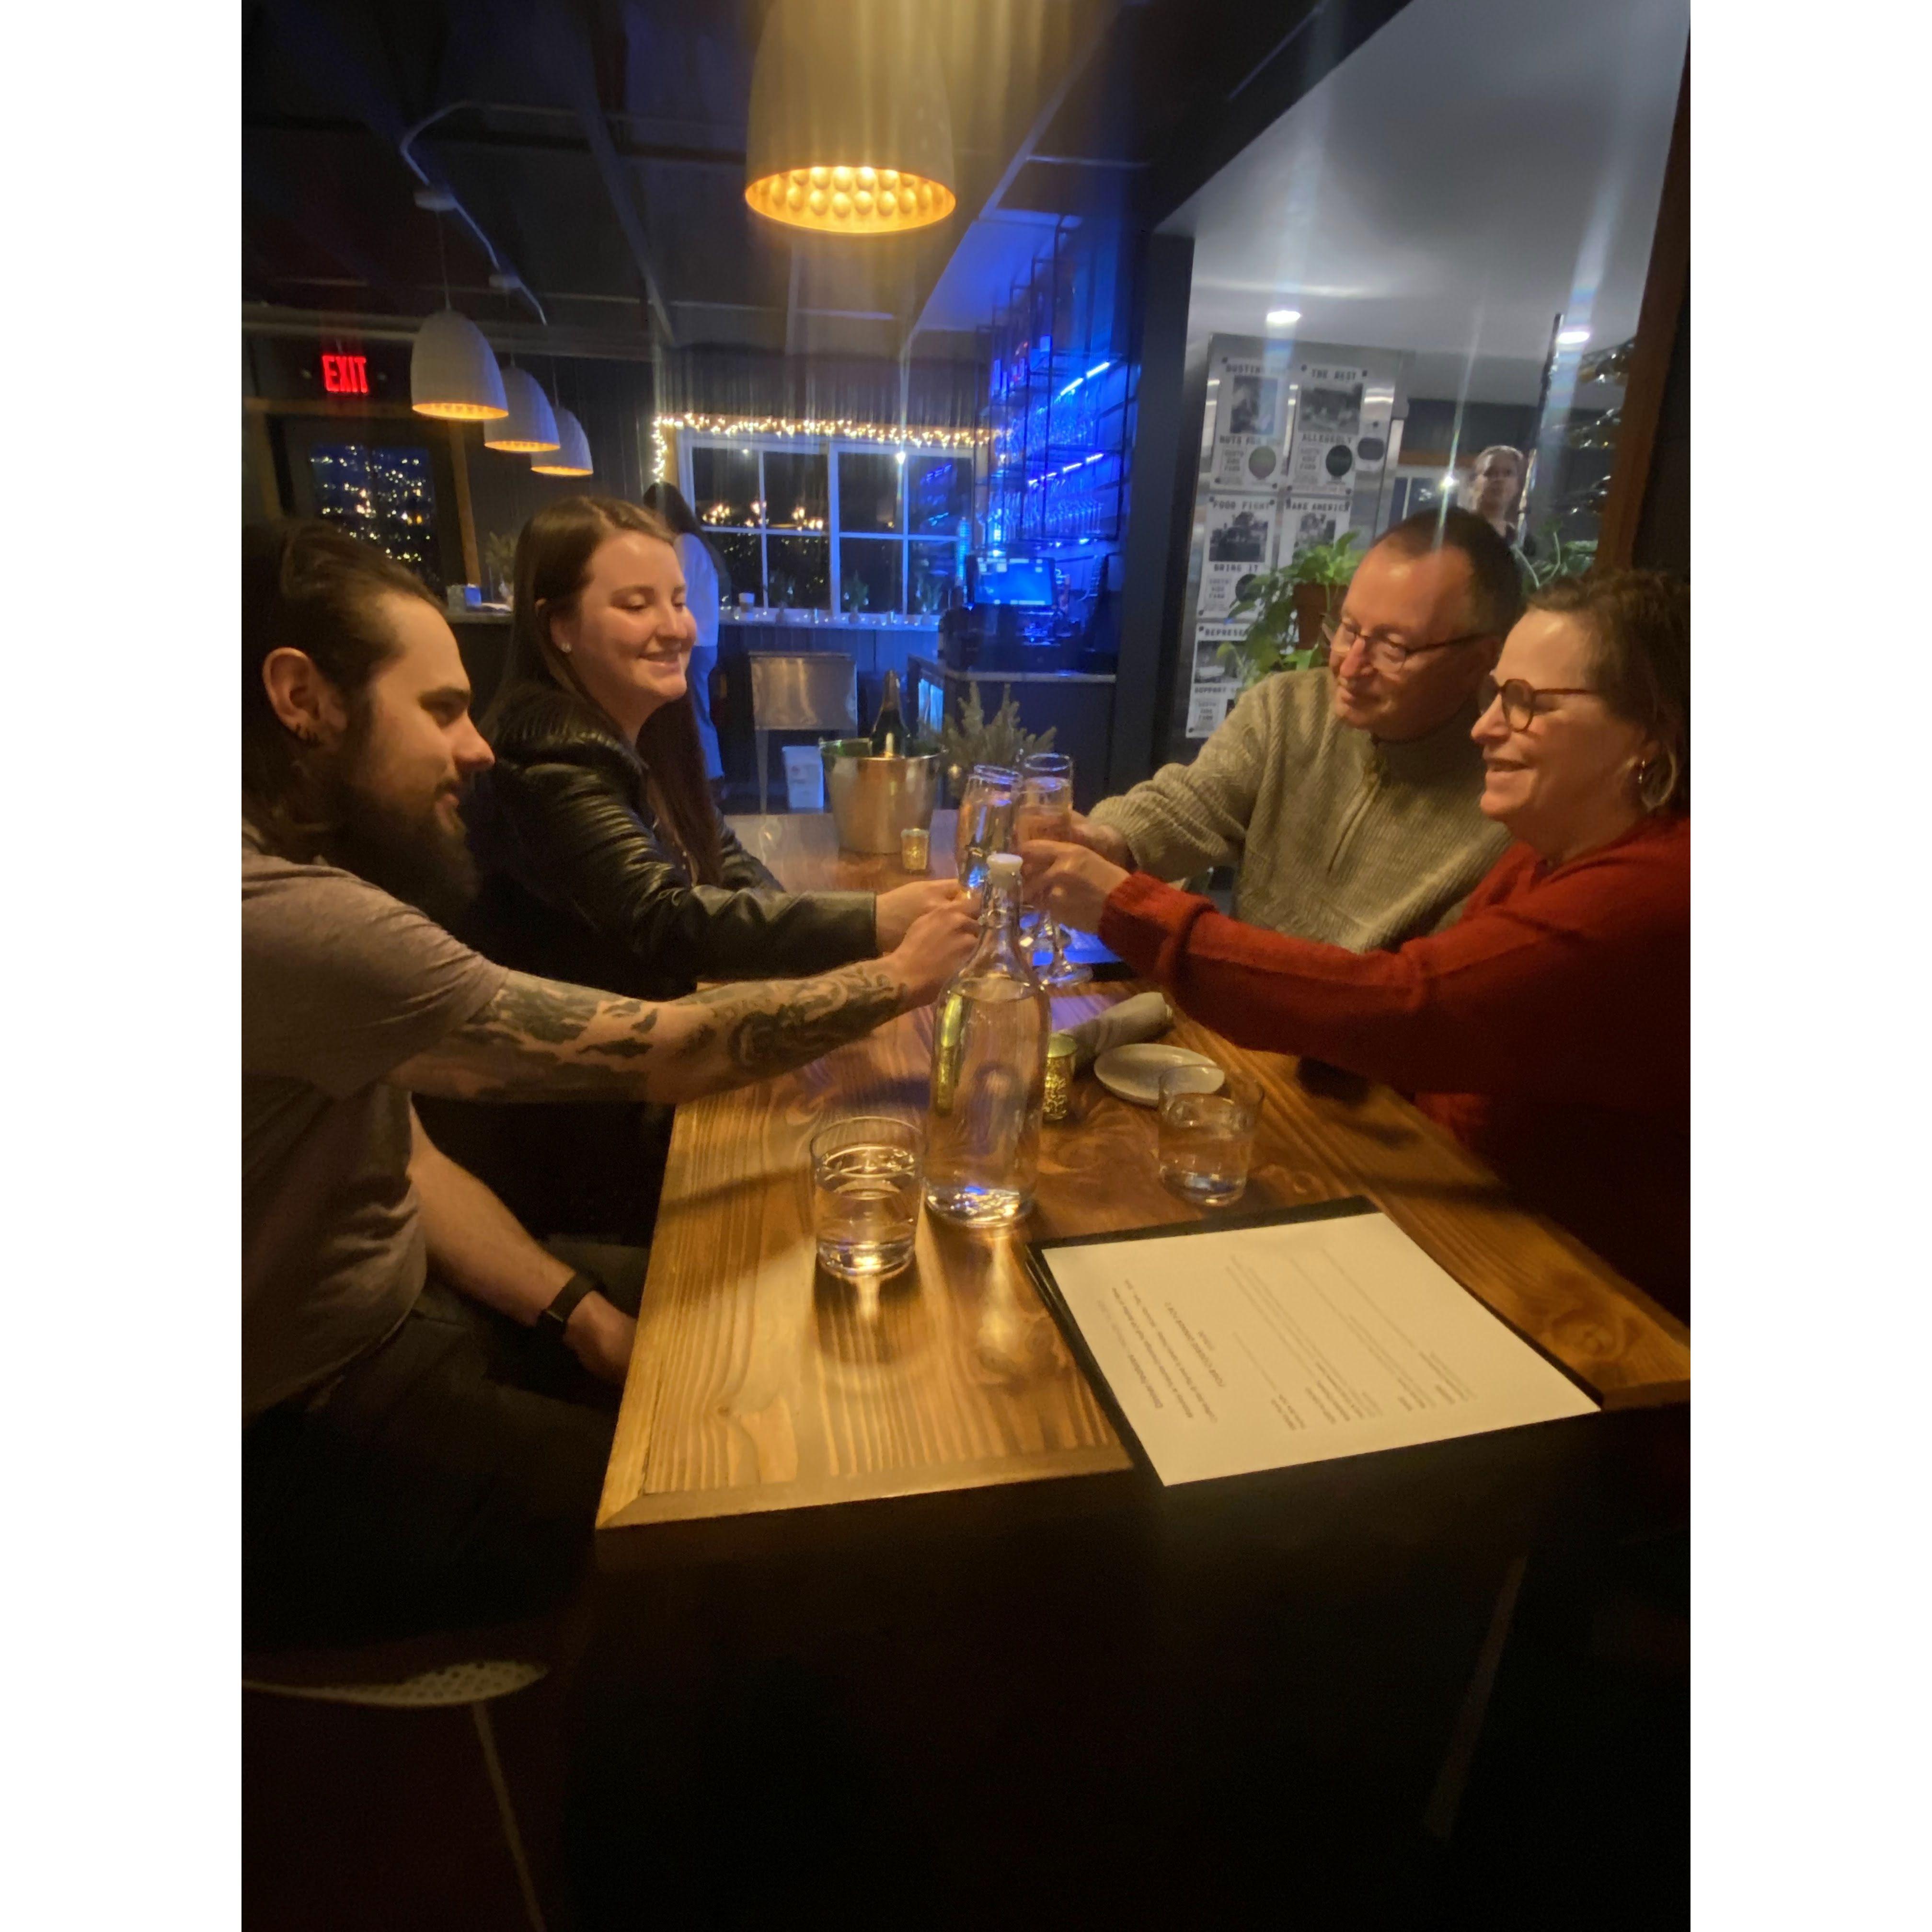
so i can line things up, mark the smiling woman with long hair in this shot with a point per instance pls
(1549, 1027)
(604, 859)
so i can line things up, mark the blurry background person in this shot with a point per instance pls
(1549, 1027)
(702, 594)
(604, 861)
(1496, 491)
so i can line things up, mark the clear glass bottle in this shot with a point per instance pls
(990, 1032)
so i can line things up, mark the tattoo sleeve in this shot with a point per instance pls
(539, 1040)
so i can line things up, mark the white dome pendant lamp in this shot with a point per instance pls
(530, 425)
(850, 133)
(453, 373)
(571, 456)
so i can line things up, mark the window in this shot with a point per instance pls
(939, 496)
(383, 494)
(868, 492)
(724, 488)
(834, 527)
(869, 574)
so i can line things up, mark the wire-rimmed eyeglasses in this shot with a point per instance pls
(1341, 634)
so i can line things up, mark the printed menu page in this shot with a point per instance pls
(1258, 1347)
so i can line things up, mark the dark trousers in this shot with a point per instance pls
(447, 1478)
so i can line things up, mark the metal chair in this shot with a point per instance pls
(800, 690)
(370, 1683)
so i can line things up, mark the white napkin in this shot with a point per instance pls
(1141, 1017)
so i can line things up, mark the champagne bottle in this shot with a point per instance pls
(889, 730)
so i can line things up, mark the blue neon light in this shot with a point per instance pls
(1097, 369)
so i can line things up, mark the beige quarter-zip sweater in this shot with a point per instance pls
(1338, 836)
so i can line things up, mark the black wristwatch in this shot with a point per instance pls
(556, 1317)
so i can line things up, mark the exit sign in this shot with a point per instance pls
(345, 375)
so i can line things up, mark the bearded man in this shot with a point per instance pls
(428, 1394)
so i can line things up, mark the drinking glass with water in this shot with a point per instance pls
(866, 1175)
(1207, 1121)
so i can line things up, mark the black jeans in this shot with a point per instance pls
(448, 1478)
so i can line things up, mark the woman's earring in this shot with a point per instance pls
(1654, 779)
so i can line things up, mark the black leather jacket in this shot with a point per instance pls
(581, 882)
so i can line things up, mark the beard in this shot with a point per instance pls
(408, 850)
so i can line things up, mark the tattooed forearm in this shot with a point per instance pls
(540, 1040)
(751, 1037)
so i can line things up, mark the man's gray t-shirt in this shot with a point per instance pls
(340, 984)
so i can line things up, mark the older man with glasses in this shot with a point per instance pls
(1346, 797)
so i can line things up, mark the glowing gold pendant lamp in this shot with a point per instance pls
(571, 457)
(531, 424)
(849, 131)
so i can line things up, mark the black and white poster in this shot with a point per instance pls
(1239, 542)
(1310, 518)
(1250, 401)
(1216, 686)
(1341, 428)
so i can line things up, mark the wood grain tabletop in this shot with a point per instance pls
(761, 1384)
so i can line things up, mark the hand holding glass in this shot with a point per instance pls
(985, 824)
(1045, 811)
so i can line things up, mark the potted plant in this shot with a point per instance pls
(1564, 559)
(974, 740)
(1288, 608)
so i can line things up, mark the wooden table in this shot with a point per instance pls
(764, 1394)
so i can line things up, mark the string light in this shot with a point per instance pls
(842, 429)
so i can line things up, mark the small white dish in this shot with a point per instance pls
(1134, 1072)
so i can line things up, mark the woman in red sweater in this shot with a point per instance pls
(1549, 1027)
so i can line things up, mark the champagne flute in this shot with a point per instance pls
(1045, 810)
(986, 823)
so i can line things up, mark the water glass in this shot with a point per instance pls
(985, 823)
(1207, 1120)
(867, 1175)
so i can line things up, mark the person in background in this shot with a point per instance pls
(702, 596)
(604, 859)
(1549, 1027)
(427, 1395)
(1496, 490)
(1345, 797)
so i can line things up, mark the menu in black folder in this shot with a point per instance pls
(1289, 1339)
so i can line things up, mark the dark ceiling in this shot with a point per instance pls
(597, 146)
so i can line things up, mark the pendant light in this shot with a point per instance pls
(453, 373)
(530, 425)
(571, 456)
(849, 131)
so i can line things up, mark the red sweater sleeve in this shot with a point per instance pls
(1574, 988)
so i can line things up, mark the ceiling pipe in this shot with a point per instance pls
(321, 40)
(503, 276)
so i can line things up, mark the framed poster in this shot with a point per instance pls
(1250, 422)
(1310, 518)
(1341, 429)
(1216, 688)
(1240, 536)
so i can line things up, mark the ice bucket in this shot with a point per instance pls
(873, 800)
